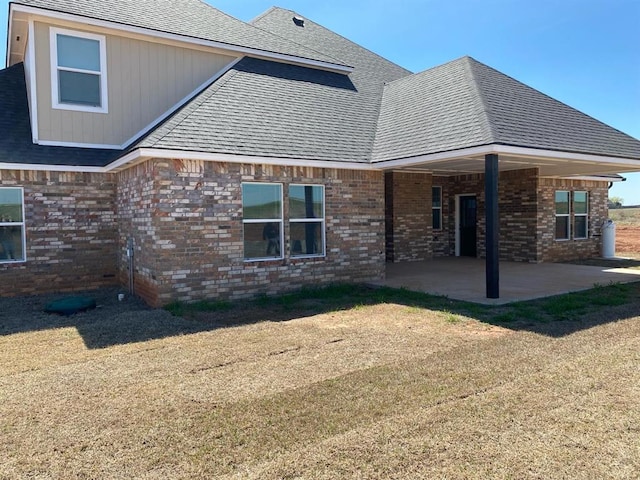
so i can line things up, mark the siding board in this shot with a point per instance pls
(145, 79)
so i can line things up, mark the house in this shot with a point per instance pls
(171, 147)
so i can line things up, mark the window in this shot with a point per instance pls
(78, 71)
(562, 215)
(12, 239)
(262, 220)
(306, 220)
(580, 215)
(436, 207)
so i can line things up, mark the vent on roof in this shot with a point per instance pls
(299, 21)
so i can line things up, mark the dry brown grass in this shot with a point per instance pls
(625, 216)
(373, 391)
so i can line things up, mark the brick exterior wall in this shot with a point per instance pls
(186, 221)
(552, 250)
(408, 216)
(527, 216)
(70, 222)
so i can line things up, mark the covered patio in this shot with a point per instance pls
(463, 278)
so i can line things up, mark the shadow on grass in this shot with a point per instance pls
(131, 321)
(111, 323)
(552, 316)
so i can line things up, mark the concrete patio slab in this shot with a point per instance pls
(462, 278)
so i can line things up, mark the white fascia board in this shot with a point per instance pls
(253, 52)
(558, 155)
(145, 153)
(504, 150)
(9, 36)
(31, 71)
(50, 168)
(54, 143)
(592, 178)
(434, 157)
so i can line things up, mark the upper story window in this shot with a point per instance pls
(78, 71)
(12, 239)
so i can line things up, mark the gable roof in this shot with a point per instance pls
(465, 103)
(263, 108)
(16, 144)
(188, 18)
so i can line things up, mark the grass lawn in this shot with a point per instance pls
(344, 382)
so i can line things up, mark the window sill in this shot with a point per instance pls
(79, 108)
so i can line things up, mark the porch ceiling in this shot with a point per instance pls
(549, 166)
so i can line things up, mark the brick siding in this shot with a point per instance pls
(186, 221)
(70, 222)
(552, 250)
(527, 216)
(408, 216)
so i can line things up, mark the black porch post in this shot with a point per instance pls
(493, 225)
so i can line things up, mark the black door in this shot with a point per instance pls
(468, 235)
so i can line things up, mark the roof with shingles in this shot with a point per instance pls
(378, 112)
(189, 18)
(264, 108)
(16, 144)
(465, 103)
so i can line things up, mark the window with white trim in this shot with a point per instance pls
(436, 207)
(78, 71)
(262, 221)
(563, 209)
(12, 235)
(580, 215)
(306, 220)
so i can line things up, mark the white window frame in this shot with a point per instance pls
(567, 215)
(311, 220)
(15, 224)
(264, 220)
(439, 209)
(55, 87)
(586, 214)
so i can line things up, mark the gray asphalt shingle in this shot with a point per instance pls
(522, 116)
(16, 145)
(271, 109)
(465, 103)
(379, 112)
(191, 18)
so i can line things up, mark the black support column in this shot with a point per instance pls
(493, 225)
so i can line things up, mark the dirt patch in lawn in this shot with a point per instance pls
(628, 240)
(282, 389)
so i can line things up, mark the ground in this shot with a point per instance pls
(627, 230)
(339, 383)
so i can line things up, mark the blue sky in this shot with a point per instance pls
(585, 53)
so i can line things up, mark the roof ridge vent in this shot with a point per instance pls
(298, 20)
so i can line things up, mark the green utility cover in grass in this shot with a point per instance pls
(70, 305)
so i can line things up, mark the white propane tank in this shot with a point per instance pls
(608, 239)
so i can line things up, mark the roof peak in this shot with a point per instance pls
(190, 19)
